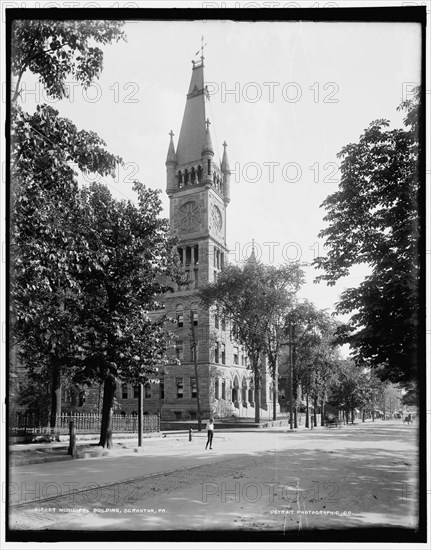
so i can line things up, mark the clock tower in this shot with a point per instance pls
(206, 361)
(198, 189)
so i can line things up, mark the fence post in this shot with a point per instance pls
(72, 440)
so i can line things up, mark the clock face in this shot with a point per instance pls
(216, 219)
(189, 216)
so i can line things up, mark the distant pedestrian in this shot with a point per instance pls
(210, 432)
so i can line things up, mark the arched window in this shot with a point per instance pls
(251, 394)
(180, 179)
(244, 390)
(186, 177)
(235, 388)
(199, 173)
(192, 176)
(216, 388)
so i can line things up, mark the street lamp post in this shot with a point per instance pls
(140, 413)
(290, 343)
(291, 372)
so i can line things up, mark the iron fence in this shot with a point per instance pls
(84, 423)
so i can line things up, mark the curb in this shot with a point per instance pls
(38, 460)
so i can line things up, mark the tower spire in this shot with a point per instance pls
(171, 163)
(225, 169)
(252, 258)
(193, 132)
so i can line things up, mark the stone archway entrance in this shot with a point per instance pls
(235, 389)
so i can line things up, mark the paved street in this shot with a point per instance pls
(355, 476)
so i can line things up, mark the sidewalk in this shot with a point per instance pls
(87, 444)
(37, 453)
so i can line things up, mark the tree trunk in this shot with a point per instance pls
(275, 391)
(257, 393)
(322, 412)
(315, 412)
(109, 388)
(55, 394)
(307, 412)
(295, 401)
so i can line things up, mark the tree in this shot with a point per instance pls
(355, 387)
(374, 220)
(46, 253)
(282, 284)
(131, 253)
(247, 296)
(56, 50)
(316, 352)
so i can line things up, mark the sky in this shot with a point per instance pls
(286, 97)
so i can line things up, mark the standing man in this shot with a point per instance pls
(210, 431)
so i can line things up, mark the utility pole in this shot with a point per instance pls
(140, 413)
(307, 405)
(290, 344)
(194, 344)
(291, 372)
(275, 391)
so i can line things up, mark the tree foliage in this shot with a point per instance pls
(56, 50)
(47, 252)
(315, 352)
(131, 251)
(373, 220)
(254, 298)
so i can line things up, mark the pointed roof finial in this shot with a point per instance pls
(207, 146)
(171, 157)
(225, 161)
(201, 50)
